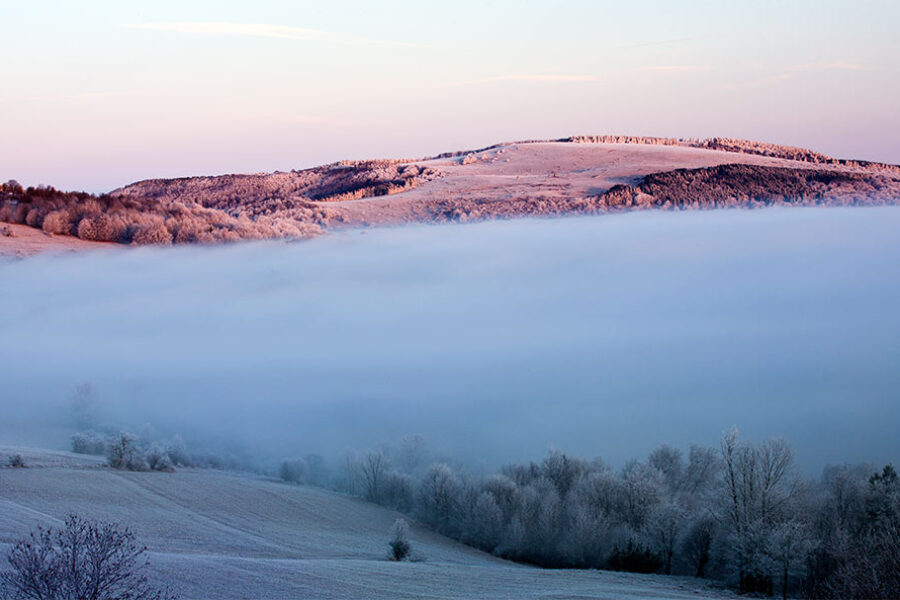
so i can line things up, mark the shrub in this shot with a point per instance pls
(123, 454)
(98, 228)
(83, 560)
(158, 459)
(154, 232)
(400, 546)
(635, 558)
(293, 471)
(17, 462)
(178, 453)
(57, 222)
(89, 443)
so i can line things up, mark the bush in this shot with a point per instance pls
(123, 454)
(158, 459)
(293, 471)
(17, 462)
(83, 560)
(400, 546)
(634, 558)
(89, 443)
(57, 222)
(178, 453)
(154, 232)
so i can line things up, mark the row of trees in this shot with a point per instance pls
(740, 513)
(137, 220)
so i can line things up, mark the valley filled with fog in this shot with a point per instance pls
(601, 336)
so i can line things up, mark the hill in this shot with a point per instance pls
(578, 175)
(218, 534)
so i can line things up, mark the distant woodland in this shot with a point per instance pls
(300, 204)
(741, 513)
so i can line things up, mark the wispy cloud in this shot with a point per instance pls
(669, 42)
(758, 82)
(557, 78)
(94, 95)
(790, 72)
(539, 78)
(110, 94)
(831, 65)
(284, 32)
(672, 68)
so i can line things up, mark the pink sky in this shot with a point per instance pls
(104, 93)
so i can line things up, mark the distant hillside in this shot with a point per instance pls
(583, 174)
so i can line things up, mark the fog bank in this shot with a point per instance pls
(603, 336)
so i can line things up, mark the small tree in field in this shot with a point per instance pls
(82, 561)
(122, 453)
(400, 546)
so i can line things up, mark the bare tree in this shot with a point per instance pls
(697, 544)
(758, 484)
(439, 497)
(702, 469)
(789, 546)
(664, 525)
(668, 462)
(374, 469)
(82, 561)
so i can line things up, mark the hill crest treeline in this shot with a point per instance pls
(301, 204)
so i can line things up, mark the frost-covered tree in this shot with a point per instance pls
(398, 491)
(410, 453)
(788, 546)
(83, 560)
(89, 442)
(374, 468)
(484, 524)
(123, 453)
(664, 526)
(696, 545)
(440, 497)
(157, 458)
(399, 544)
(669, 463)
(758, 484)
(317, 470)
(701, 473)
(642, 488)
(563, 471)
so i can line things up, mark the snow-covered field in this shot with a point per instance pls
(217, 534)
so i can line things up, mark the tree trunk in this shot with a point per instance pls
(784, 582)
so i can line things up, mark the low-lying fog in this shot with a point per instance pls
(602, 336)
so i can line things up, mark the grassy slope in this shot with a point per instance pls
(217, 534)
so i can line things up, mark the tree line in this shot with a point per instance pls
(740, 513)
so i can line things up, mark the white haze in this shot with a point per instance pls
(603, 336)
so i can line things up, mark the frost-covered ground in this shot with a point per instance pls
(216, 534)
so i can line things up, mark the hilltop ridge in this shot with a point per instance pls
(574, 175)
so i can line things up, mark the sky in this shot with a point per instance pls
(601, 336)
(100, 93)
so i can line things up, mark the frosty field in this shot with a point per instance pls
(214, 534)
